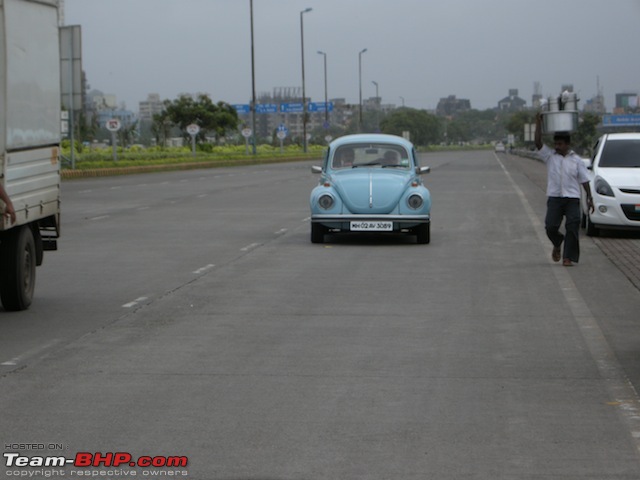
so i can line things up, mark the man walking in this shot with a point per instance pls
(565, 174)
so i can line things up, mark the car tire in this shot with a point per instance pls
(17, 268)
(317, 233)
(592, 230)
(423, 233)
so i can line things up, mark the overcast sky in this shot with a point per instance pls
(421, 50)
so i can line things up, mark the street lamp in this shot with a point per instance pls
(377, 96)
(326, 103)
(304, 99)
(253, 85)
(360, 80)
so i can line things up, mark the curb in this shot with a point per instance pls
(68, 174)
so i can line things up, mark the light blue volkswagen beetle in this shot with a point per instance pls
(370, 183)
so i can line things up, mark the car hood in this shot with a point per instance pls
(371, 190)
(621, 177)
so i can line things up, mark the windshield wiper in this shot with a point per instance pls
(393, 166)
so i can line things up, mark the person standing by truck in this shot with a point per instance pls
(565, 173)
(8, 206)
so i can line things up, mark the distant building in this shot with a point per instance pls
(627, 103)
(150, 107)
(451, 106)
(595, 105)
(512, 103)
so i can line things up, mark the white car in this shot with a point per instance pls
(500, 148)
(615, 184)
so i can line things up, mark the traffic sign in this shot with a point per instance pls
(291, 107)
(320, 107)
(266, 108)
(621, 120)
(281, 134)
(283, 128)
(113, 125)
(246, 132)
(242, 108)
(193, 129)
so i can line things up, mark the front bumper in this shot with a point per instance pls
(342, 222)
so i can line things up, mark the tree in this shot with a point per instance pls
(423, 127)
(587, 133)
(210, 117)
(516, 122)
(161, 127)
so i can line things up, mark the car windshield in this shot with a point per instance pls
(621, 154)
(370, 155)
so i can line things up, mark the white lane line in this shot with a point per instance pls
(116, 188)
(282, 231)
(306, 219)
(204, 269)
(30, 353)
(137, 301)
(624, 395)
(203, 195)
(85, 191)
(100, 217)
(249, 247)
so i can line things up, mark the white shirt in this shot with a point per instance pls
(565, 175)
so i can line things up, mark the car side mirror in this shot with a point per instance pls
(316, 169)
(421, 170)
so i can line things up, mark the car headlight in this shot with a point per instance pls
(326, 201)
(415, 201)
(603, 188)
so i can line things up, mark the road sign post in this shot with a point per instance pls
(246, 133)
(282, 134)
(193, 130)
(113, 125)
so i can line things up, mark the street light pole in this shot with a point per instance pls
(326, 103)
(304, 98)
(360, 80)
(377, 96)
(253, 85)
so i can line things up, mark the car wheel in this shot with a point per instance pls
(317, 233)
(17, 268)
(592, 230)
(423, 233)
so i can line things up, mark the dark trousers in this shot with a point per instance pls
(569, 208)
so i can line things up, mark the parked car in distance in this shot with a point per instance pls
(500, 148)
(370, 183)
(615, 184)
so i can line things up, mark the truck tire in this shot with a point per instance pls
(17, 268)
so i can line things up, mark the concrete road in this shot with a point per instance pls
(187, 314)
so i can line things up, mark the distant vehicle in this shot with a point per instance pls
(500, 147)
(29, 142)
(615, 184)
(371, 183)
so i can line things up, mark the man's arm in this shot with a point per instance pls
(8, 209)
(587, 189)
(538, 135)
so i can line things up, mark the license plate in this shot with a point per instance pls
(371, 226)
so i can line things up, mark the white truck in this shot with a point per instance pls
(29, 142)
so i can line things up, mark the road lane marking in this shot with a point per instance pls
(100, 217)
(249, 247)
(623, 393)
(30, 353)
(204, 269)
(137, 301)
(282, 231)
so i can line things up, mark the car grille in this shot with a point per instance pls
(632, 191)
(632, 212)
